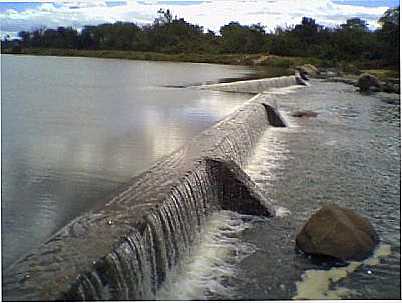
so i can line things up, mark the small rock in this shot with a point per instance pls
(304, 114)
(304, 76)
(308, 69)
(367, 82)
(300, 80)
(389, 87)
(337, 232)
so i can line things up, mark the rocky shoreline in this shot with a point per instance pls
(388, 88)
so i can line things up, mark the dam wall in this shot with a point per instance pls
(126, 249)
(256, 86)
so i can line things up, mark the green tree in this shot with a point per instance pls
(25, 38)
(355, 24)
(389, 34)
(237, 38)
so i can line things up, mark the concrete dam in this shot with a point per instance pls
(126, 249)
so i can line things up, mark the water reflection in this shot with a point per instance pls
(74, 129)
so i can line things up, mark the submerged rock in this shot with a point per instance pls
(367, 82)
(390, 98)
(389, 87)
(304, 114)
(337, 232)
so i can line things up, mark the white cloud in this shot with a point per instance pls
(211, 14)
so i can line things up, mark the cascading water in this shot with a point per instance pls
(158, 229)
(139, 268)
(217, 250)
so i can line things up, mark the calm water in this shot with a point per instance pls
(74, 129)
(348, 155)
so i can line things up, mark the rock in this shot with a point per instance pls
(308, 69)
(389, 98)
(304, 76)
(301, 80)
(339, 233)
(389, 87)
(394, 80)
(305, 114)
(367, 82)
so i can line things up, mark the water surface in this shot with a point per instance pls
(348, 155)
(75, 129)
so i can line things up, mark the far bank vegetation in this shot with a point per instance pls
(350, 46)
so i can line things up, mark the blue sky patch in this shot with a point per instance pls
(369, 3)
(18, 6)
(115, 3)
(166, 2)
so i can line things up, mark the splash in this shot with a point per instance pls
(315, 284)
(206, 273)
(282, 212)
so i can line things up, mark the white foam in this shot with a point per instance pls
(283, 90)
(214, 260)
(282, 211)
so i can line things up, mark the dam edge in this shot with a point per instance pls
(88, 259)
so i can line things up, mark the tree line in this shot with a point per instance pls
(350, 42)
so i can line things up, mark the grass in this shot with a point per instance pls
(383, 74)
(233, 59)
(266, 65)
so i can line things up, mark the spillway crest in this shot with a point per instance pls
(126, 249)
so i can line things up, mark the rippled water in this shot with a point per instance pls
(348, 155)
(92, 124)
(75, 129)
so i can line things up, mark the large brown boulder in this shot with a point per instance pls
(337, 232)
(368, 82)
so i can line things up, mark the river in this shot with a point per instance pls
(76, 140)
(75, 129)
(350, 156)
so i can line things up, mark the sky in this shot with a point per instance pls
(211, 14)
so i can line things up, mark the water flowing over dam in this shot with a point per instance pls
(127, 249)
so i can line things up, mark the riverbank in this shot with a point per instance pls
(265, 65)
(232, 59)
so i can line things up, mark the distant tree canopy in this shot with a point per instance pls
(237, 38)
(351, 41)
(389, 34)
